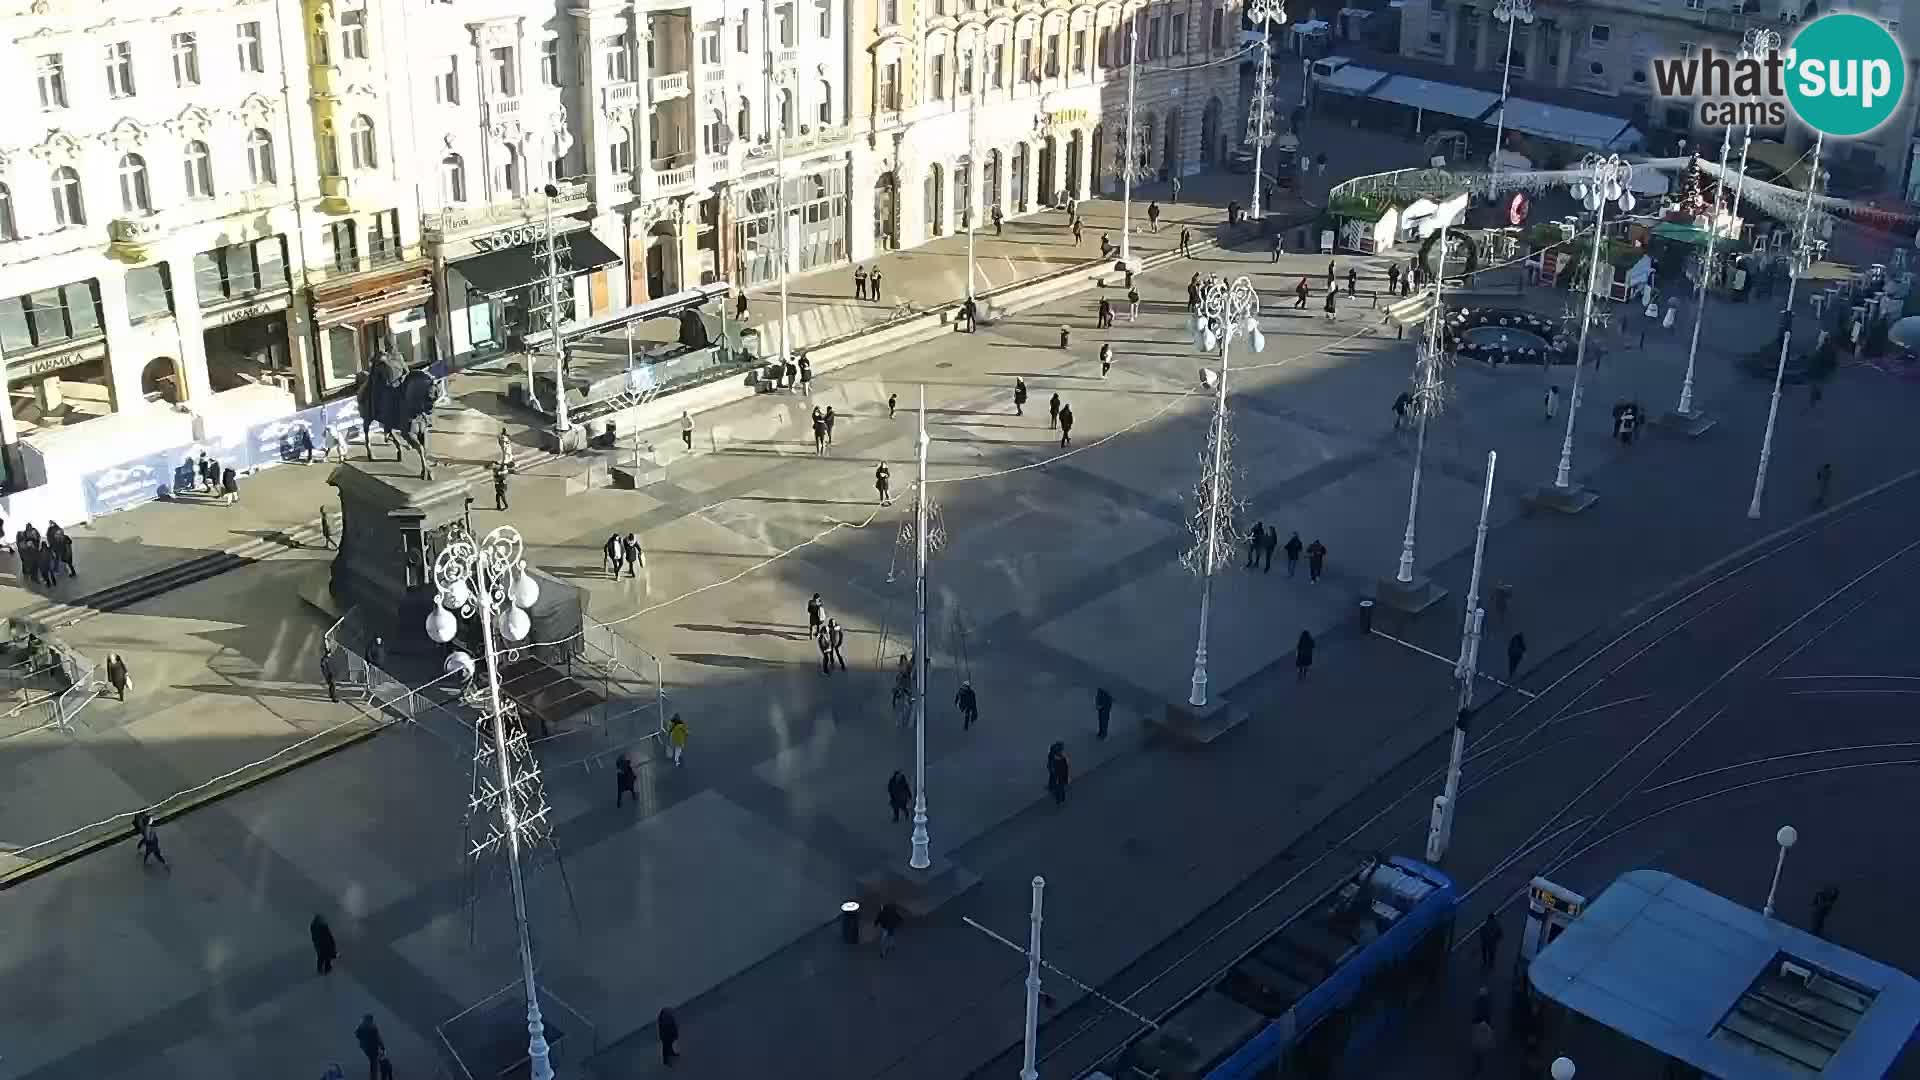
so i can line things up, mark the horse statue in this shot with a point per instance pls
(400, 400)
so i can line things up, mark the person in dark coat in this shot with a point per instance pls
(819, 433)
(969, 704)
(1105, 318)
(823, 640)
(1019, 397)
(1303, 654)
(324, 949)
(230, 485)
(873, 285)
(1490, 935)
(117, 676)
(829, 418)
(1268, 544)
(371, 1044)
(1256, 540)
(1316, 561)
(1293, 548)
(1353, 281)
(499, 486)
(1516, 651)
(625, 782)
(1823, 902)
(1102, 711)
(1053, 412)
(836, 642)
(1066, 425)
(327, 675)
(630, 547)
(1300, 293)
(1330, 305)
(899, 795)
(889, 920)
(377, 653)
(303, 443)
(882, 482)
(610, 552)
(806, 373)
(62, 546)
(666, 1025)
(1059, 773)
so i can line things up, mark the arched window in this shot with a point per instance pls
(135, 198)
(453, 179)
(826, 103)
(260, 157)
(68, 206)
(199, 166)
(360, 143)
(510, 172)
(8, 231)
(743, 121)
(786, 112)
(620, 152)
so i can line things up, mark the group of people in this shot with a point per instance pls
(212, 479)
(822, 430)
(1263, 540)
(41, 557)
(828, 635)
(866, 283)
(625, 550)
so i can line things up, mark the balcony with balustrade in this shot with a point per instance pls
(669, 87)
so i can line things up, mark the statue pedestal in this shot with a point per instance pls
(386, 513)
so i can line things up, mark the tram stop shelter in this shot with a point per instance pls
(1659, 971)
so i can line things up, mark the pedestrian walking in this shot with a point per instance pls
(1393, 279)
(806, 373)
(1255, 540)
(899, 796)
(1186, 242)
(324, 949)
(1303, 654)
(999, 222)
(62, 546)
(1193, 294)
(1822, 485)
(1400, 405)
(819, 433)
(1174, 185)
(625, 782)
(1053, 412)
(371, 1044)
(882, 476)
(1019, 396)
(326, 526)
(686, 429)
(209, 472)
(1823, 902)
(1293, 549)
(1059, 773)
(859, 283)
(677, 738)
(230, 485)
(1133, 304)
(1481, 1040)
(499, 487)
(1106, 359)
(303, 444)
(1077, 232)
(816, 615)
(873, 285)
(1516, 651)
(969, 705)
(1329, 306)
(1490, 935)
(149, 846)
(1105, 318)
(790, 374)
(327, 675)
(611, 553)
(1066, 425)
(1353, 281)
(635, 557)
(1316, 561)
(1553, 402)
(1330, 272)
(1267, 545)
(889, 920)
(1321, 161)
(335, 445)
(836, 642)
(829, 419)
(377, 653)
(117, 676)
(893, 404)
(1153, 217)
(1300, 292)
(823, 640)
(667, 1026)
(1276, 247)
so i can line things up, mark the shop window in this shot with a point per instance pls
(260, 157)
(8, 230)
(237, 270)
(453, 180)
(69, 207)
(135, 195)
(149, 292)
(50, 317)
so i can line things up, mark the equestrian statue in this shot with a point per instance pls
(400, 400)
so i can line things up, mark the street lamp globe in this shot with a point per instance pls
(1787, 836)
(514, 624)
(1562, 1069)
(459, 661)
(525, 591)
(441, 625)
(1520, 11)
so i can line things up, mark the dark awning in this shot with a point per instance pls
(512, 269)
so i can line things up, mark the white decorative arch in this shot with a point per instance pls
(256, 110)
(126, 136)
(193, 122)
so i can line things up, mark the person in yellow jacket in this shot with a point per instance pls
(677, 737)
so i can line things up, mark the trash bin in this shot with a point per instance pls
(1366, 616)
(850, 922)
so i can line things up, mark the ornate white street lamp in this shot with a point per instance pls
(1265, 14)
(1513, 13)
(1226, 311)
(1130, 169)
(1786, 838)
(1804, 254)
(487, 580)
(1604, 182)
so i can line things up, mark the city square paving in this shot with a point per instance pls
(1063, 575)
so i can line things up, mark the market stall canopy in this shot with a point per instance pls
(511, 269)
(1646, 181)
(1778, 164)
(1437, 97)
(1576, 126)
(1353, 79)
(1681, 232)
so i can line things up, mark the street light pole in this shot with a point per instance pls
(1225, 310)
(1266, 14)
(1786, 838)
(472, 577)
(778, 120)
(1513, 13)
(920, 859)
(973, 165)
(1607, 178)
(1802, 262)
(561, 422)
(1467, 671)
(1029, 1057)
(1430, 356)
(1755, 44)
(1685, 410)
(1133, 162)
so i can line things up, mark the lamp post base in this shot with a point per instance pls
(917, 893)
(1571, 499)
(1690, 425)
(1407, 597)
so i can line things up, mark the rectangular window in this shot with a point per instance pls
(1177, 34)
(186, 60)
(119, 61)
(890, 86)
(446, 86)
(1028, 72)
(937, 77)
(789, 29)
(823, 13)
(997, 63)
(1104, 46)
(1053, 55)
(619, 65)
(710, 48)
(890, 12)
(50, 317)
(742, 33)
(505, 84)
(343, 239)
(1080, 51)
(1600, 34)
(149, 292)
(383, 240)
(1217, 35)
(620, 157)
(247, 44)
(51, 70)
(550, 62)
(1156, 44)
(966, 73)
(353, 34)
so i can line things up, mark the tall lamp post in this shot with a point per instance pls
(1756, 44)
(921, 857)
(1786, 838)
(1227, 310)
(1604, 181)
(1440, 834)
(1803, 257)
(1685, 413)
(1427, 391)
(783, 77)
(1265, 14)
(561, 422)
(973, 162)
(487, 579)
(1131, 165)
(1513, 13)
(1030, 1050)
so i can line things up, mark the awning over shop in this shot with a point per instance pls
(357, 298)
(1436, 97)
(512, 269)
(1576, 126)
(1353, 79)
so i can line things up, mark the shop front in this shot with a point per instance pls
(815, 203)
(494, 281)
(353, 317)
(246, 343)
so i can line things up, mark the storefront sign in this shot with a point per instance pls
(1060, 118)
(216, 319)
(510, 237)
(18, 370)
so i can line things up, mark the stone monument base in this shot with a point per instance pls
(1691, 425)
(918, 893)
(1407, 597)
(1571, 499)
